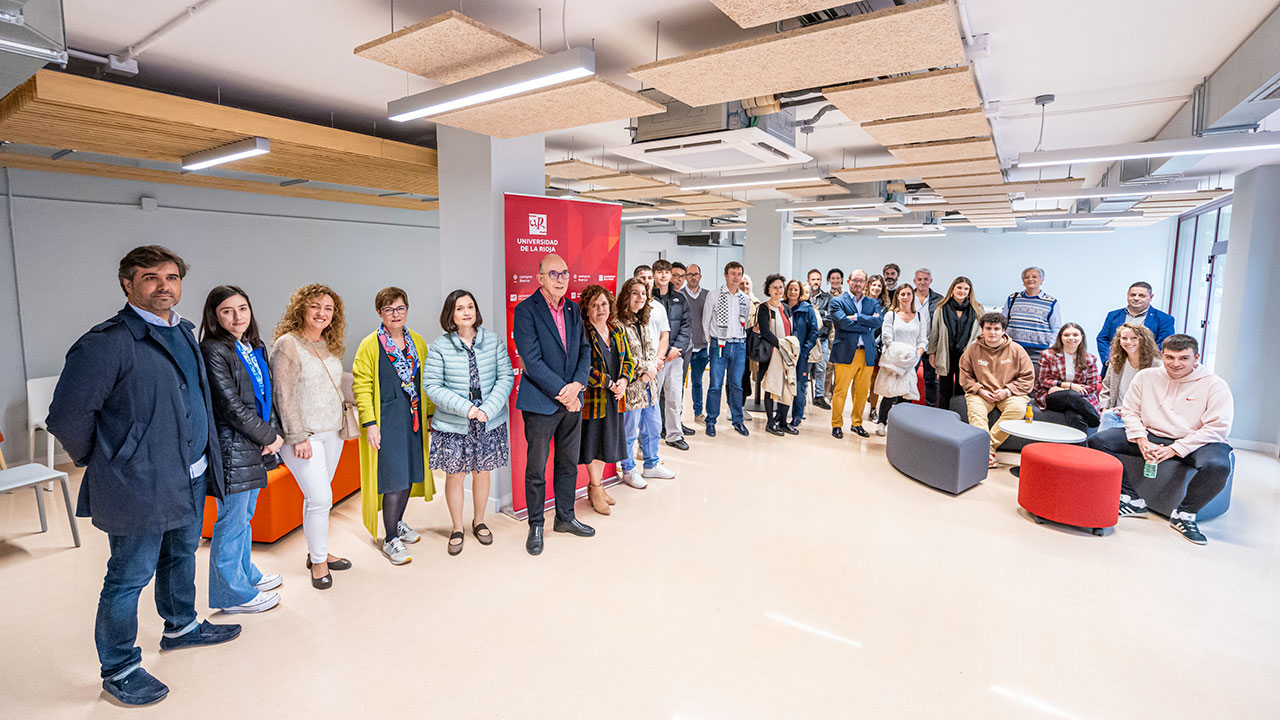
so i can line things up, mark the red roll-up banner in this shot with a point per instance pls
(587, 235)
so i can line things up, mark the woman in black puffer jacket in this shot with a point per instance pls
(248, 434)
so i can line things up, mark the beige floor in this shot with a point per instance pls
(774, 578)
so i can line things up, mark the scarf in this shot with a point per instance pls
(252, 360)
(721, 318)
(958, 328)
(405, 363)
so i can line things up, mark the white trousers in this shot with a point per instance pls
(315, 478)
(671, 384)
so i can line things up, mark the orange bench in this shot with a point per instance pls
(279, 510)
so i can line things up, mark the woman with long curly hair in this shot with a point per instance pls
(306, 365)
(612, 369)
(642, 418)
(1133, 348)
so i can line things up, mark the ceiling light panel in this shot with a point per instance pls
(247, 148)
(1207, 145)
(1113, 191)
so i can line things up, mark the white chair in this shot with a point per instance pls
(39, 397)
(33, 475)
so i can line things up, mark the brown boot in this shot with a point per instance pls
(607, 497)
(595, 493)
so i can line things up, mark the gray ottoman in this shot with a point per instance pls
(1165, 491)
(930, 445)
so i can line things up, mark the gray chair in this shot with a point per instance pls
(1165, 491)
(929, 445)
(33, 475)
(1012, 443)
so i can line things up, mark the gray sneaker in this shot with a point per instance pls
(396, 553)
(407, 534)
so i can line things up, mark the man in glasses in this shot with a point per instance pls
(698, 357)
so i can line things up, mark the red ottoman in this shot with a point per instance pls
(1071, 485)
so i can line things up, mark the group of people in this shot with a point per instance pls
(160, 419)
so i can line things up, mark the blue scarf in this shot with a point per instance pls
(253, 361)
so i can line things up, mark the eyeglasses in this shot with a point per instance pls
(557, 275)
(693, 275)
(397, 310)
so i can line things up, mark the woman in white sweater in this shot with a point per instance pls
(903, 339)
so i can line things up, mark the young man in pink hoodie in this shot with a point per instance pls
(1180, 412)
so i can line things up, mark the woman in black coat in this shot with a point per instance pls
(248, 436)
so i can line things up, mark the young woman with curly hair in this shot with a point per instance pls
(306, 366)
(1133, 348)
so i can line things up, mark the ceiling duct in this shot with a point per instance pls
(31, 36)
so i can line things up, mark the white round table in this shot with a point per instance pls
(1041, 431)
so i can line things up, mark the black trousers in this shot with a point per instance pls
(565, 429)
(886, 404)
(1212, 464)
(930, 383)
(1081, 414)
(949, 387)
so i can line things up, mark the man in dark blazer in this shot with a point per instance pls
(552, 344)
(133, 408)
(855, 318)
(1137, 312)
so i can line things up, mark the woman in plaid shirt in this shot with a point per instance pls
(613, 367)
(1068, 380)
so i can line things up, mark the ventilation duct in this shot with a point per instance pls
(31, 36)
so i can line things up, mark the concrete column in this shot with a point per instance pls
(1246, 344)
(475, 171)
(768, 244)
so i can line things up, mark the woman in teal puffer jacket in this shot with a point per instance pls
(469, 378)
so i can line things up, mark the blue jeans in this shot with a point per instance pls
(730, 360)
(232, 574)
(170, 557)
(1110, 420)
(697, 365)
(819, 369)
(803, 368)
(645, 423)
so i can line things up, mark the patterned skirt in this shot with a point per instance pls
(478, 450)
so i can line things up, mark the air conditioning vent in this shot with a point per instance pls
(744, 149)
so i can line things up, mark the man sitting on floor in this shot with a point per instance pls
(995, 372)
(1180, 412)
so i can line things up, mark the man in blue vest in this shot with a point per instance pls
(1138, 312)
(132, 407)
(1034, 316)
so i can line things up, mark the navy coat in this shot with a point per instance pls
(1159, 323)
(548, 365)
(845, 344)
(120, 410)
(805, 331)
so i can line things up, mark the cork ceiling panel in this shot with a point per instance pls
(949, 125)
(448, 48)
(585, 101)
(945, 150)
(994, 178)
(903, 171)
(753, 13)
(888, 42)
(577, 170)
(915, 94)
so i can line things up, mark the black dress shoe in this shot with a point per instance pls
(790, 430)
(822, 404)
(837, 432)
(686, 429)
(679, 444)
(206, 633)
(857, 430)
(534, 543)
(711, 429)
(773, 430)
(741, 429)
(137, 688)
(573, 527)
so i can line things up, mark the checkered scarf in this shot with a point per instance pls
(724, 300)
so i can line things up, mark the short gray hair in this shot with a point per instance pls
(1037, 268)
(926, 271)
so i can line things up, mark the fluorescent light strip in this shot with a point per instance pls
(1208, 145)
(921, 235)
(1072, 217)
(771, 179)
(32, 51)
(653, 217)
(227, 153)
(1070, 231)
(848, 204)
(804, 237)
(1115, 191)
(546, 71)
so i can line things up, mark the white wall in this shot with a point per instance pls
(642, 247)
(1089, 274)
(69, 233)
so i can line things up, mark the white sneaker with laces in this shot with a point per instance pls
(262, 602)
(396, 553)
(634, 480)
(880, 430)
(658, 471)
(407, 534)
(269, 582)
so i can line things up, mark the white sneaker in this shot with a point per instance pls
(407, 534)
(269, 582)
(262, 602)
(396, 553)
(880, 430)
(635, 481)
(658, 471)
(746, 416)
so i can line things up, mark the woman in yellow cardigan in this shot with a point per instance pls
(395, 415)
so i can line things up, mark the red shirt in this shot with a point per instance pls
(557, 314)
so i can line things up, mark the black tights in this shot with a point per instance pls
(776, 410)
(393, 505)
(1081, 414)
(948, 387)
(886, 404)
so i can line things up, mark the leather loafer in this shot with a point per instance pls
(822, 404)
(137, 688)
(339, 564)
(206, 633)
(534, 543)
(741, 429)
(679, 444)
(837, 432)
(574, 527)
(685, 429)
(711, 430)
(790, 429)
(773, 429)
(857, 430)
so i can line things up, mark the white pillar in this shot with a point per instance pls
(1247, 342)
(475, 171)
(768, 244)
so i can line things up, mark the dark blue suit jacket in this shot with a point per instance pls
(1159, 323)
(120, 410)
(845, 345)
(548, 365)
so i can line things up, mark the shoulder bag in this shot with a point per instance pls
(350, 418)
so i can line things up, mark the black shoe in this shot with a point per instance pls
(685, 429)
(857, 430)
(137, 688)
(679, 444)
(206, 633)
(772, 429)
(875, 417)
(322, 583)
(790, 429)
(339, 564)
(837, 432)
(1130, 508)
(711, 429)
(821, 403)
(1185, 523)
(573, 527)
(534, 543)
(741, 429)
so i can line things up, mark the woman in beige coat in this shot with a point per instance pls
(954, 327)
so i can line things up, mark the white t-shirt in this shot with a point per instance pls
(658, 322)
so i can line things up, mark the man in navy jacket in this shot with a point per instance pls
(132, 407)
(1138, 311)
(552, 344)
(855, 318)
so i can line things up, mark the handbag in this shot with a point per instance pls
(757, 349)
(350, 419)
